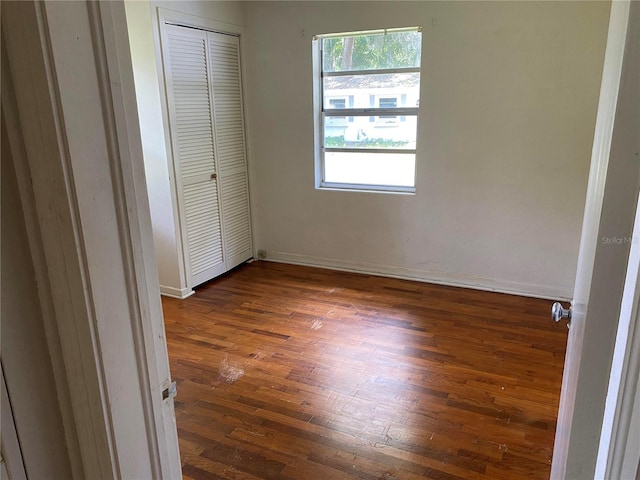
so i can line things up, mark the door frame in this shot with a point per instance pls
(84, 176)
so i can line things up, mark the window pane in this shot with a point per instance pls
(372, 52)
(393, 169)
(372, 91)
(386, 131)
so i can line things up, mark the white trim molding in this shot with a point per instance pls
(179, 293)
(36, 248)
(112, 49)
(83, 175)
(427, 276)
(30, 56)
(173, 17)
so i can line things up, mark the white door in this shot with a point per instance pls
(190, 107)
(619, 450)
(604, 248)
(204, 94)
(226, 83)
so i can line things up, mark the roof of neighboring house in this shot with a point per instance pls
(380, 80)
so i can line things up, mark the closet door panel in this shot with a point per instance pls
(237, 220)
(192, 125)
(224, 57)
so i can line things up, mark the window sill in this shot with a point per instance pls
(345, 187)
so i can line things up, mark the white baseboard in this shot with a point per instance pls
(176, 292)
(547, 292)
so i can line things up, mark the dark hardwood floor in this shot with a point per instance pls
(289, 372)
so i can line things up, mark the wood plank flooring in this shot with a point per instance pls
(289, 372)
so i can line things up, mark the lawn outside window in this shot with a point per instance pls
(366, 100)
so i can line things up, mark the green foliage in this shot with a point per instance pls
(339, 142)
(371, 52)
(331, 54)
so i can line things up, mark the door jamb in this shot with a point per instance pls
(102, 397)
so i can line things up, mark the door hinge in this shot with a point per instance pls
(170, 392)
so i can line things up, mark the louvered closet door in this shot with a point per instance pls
(191, 122)
(224, 57)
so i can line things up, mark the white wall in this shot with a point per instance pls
(221, 11)
(509, 95)
(154, 146)
(145, 51)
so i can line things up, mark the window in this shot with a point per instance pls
(338, 103)
(367, 92)
(388, 102)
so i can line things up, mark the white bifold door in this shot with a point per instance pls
(204, 92)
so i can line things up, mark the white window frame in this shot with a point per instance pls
(320, 115)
